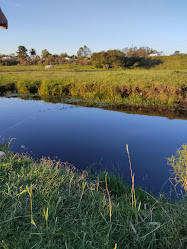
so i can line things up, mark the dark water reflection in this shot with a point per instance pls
(85, 136)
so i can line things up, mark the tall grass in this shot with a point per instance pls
(50, 204)
(119, 86)
(133, 195)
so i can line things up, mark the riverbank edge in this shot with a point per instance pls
(56, 202)
(145, 93)
(171, 112)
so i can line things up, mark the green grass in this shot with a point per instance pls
(49, 204)
(115, 86)
(173, 62)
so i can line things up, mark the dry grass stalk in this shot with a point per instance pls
(110, 203)
(133, 196)
(30, 194)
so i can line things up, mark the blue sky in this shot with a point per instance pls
(65, 25)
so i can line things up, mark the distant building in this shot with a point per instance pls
(6, 58)
(154, 55)
(68, 59)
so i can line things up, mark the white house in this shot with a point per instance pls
(68, 59)
(154, 55)
(6, 58)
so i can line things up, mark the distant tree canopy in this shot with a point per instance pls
(45, 53)
(126, 58)
(74, 57)
(139, 52)
(56, 56)
(84, 52)
(22, 52)
(177, 52)
(63, 55)
(32, 52)
(110, 58)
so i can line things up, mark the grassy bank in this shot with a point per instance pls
(115, 86)
(49, 204)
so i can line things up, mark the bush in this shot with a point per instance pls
(179, 167)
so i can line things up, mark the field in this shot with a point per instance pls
(158, 86)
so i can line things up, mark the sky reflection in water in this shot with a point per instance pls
(86, 136)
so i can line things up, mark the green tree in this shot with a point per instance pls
(22, 52)
(45, 53)
(63, 55)
(32, 52)
(177, 52)
(138, 52)
(84, 52)
(110, 58)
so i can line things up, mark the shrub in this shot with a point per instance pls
(179, 167)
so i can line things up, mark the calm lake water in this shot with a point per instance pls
(95, 137)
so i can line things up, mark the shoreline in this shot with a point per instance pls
(171, 112)
(54, 201)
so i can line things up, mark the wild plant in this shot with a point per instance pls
(179, 167)
(133, 195)
(46, 215)
(30, 194)
(109, 198)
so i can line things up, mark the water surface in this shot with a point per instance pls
(95, 137)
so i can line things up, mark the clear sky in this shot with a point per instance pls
(66, 25)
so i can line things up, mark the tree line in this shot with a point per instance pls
(115, 58)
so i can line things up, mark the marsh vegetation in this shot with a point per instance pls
(115, 86)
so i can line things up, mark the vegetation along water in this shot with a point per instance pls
(160, 85)
(48, 204)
